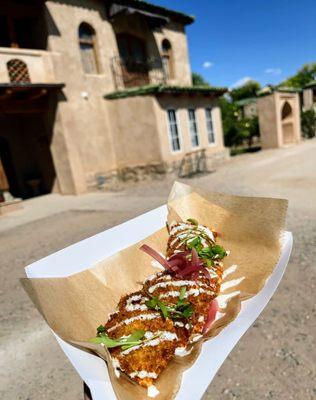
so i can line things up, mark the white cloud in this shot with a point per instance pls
(241, 82)
(207, 64)
(273, 71)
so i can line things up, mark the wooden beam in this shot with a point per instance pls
(18, 10)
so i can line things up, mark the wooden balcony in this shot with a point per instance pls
(129, 73)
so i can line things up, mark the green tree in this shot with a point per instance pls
(231, 126)
(237, 130)
(249, 89)
(303, 76)
(308, 123)
(198, 80)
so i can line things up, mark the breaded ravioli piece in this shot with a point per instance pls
(181, 233)
(142, 363)
(199, 293)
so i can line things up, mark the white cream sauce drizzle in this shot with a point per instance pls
(230, 284)
(134, 298)
(192, 292)
(162, 337)
(195, 338)
(135, 307)
(222, 299)
(116, 366)
(195, 230)
(143, 374)
(229, 270)
(182, 351)
(141, 317)
(176, 283)
(152, 391)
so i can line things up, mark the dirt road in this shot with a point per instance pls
(274, 360)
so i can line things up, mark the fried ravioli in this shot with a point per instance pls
(142, 363)
(152, 325)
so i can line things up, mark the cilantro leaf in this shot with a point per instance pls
(132, 340)
(155, 303)
(100, 329)
(213, 252)
(196, 243)
(187, 310)
(164, 309)
(152, 303)
(182, 293)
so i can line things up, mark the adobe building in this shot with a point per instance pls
(309, 96)
(279, 118)
(95, 90)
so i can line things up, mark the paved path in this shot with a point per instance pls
(274, 360)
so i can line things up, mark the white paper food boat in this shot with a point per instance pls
(82, 255)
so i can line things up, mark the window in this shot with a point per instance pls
(87, 48)
(286, 110)
(173, 130)
(209, 126)
(193, 128)
(18, 71)
(166, 57)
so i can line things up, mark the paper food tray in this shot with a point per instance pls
(88, 252)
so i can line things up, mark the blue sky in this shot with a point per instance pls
(234, 40)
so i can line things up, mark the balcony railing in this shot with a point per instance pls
(131, 73)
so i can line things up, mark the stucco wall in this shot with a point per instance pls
(83, 130)
(82, 116)
(39, 64)
(181, 105)
(268, 123)
(294, 119)
(273, 130)
(308, 99)
(175, 33)
(134, 126)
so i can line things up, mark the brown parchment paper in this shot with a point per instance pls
(74, 306)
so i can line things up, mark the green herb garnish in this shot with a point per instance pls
(132, 340)
(213, 252)
(193, 221)
(181, 310)
(100, 329)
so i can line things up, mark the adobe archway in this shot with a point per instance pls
(287, 123)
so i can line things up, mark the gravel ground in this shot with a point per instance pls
(274, 360)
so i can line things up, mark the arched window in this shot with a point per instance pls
(18, 71)
(167, 60)
(286, 110)
(87, 44)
